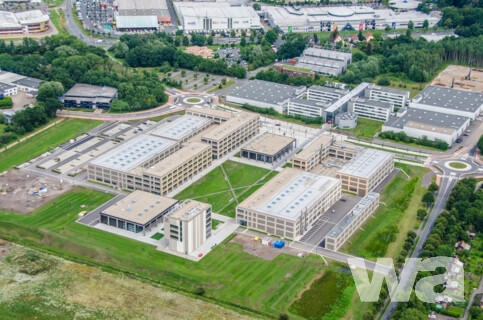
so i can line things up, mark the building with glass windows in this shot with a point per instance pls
(268, 148)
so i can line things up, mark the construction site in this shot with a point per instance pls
(23, 192)
(460, 78)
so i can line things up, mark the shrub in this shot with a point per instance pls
(384, 81)
(6, 103)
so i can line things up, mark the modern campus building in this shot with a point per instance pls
(142, 14)
(268, 148)
(365, 171)
(306, 107)
(182, 129)
(325, 61)
(217, 16)
(137, 212)
(352, 221)
(325, 94)
(434, 125)
(289, 203)
(188, 226)
(7, 90)
(89, 96)
(370, 109)
(265, 94)
(22, 83)
(346, 120)
(315, 19)
(25, 22)
(449, 101)
(231, 133)
(218, 116)
(398, 98)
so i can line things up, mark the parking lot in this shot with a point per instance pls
(231, 55)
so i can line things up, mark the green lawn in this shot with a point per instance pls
(365, 129)
(457, 165)
(157, 236)
(242, 175)
(164, 116)
(44, 141)
(215, 223)
(216, 88)
(227, 273)
(58, 20)
(193, 100)
(54, 2)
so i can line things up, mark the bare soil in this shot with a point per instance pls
(257, 249)
(445, 78)
(17, 191)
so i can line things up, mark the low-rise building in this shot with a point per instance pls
(188, 226)
(21, 82)
(325, 94)
(331, 62)
(268, 148)
(293, 71)
(137, 212)
(7, 90)
(306, 108)
(218, 116)
(289, 203)
(449, 101)
(419, 123)
(365, 171)
(398, 98)
(89, 96)
(265, 94)
(370, 109)
(346, 120)
(231, 133)
(346, 227)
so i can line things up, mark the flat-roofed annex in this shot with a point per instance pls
(268, 143)
(366, 163)
(180, 128)
(314, 147)
(188, 210)
(139, 207)
(289, 193)
(229, 126)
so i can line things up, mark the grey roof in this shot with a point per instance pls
(90, 91)
(373, 86)
(312, 103)
(450, 98)
(329, 89)
(265, 91)
(5, 86)
(28, 82)
(157, 8)
(345, 99)
(366, 163)
(347, 116)
(426, 117)
(373, 103)
(180, 128)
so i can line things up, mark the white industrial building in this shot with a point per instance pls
(217, 16)
(325, 94)
(398, 98)
(188, 226)
(434, 125)
(25, 22)
(306, 108)
(450, 101)
(21, 82)
(7, 90)
(370, 109)
(315, 19)
(325, 61)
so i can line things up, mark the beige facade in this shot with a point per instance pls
(188, 226)
(231, 133)
(268, 147)
(363, 173)
(218, 116)
(289, 203)
(352, 221)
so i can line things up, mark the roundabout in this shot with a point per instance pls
(193, 100)
(457, 165)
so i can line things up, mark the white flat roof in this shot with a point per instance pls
(180, 128)
(288, 193)
(215, 10)
(133, 153)
(366, 163)
(33, 16)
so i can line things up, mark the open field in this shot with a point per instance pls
(44, 141)
(58, 20)
(227, 273)
(39, 286)
(365, 129)
(445, 78)
(384, 234)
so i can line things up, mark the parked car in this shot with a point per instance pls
(458, 140)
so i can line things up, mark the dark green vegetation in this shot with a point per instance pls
(273, 113)
(227, 274)
(157, 236)
(215, 223)
(6, 103)
(328, 297)
(424, 141)
(69, 60)
(44, 141)
(480, 144)
(467, 21)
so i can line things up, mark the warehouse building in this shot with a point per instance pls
(306, 107)
(89, 96)
(137, 212)
(21, 82)
(231, 133)
(417, 123)
(345, 228)
(265, 94)
(365, 171)
(449, 101)
(183, 128)
(370, 109)
(188, 226)
(268, 148)
(217, 16)
(398, 98)
(130, 23)
(142, 14)
(7, 90)
(325, 61)
(218, 116)
(315, 19)
(25, 22)
(325, 94)
(289, 204)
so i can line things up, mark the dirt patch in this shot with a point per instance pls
(20, 191)
(262, 251)
(445, 78)
(4, 248)
(22, 99)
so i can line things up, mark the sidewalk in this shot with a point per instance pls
(389, 148)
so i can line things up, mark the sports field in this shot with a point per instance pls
(227, 273)
(45, 141)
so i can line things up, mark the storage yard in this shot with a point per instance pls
(459, 75)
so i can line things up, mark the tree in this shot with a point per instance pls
(243, 42)
(433, 187)
(199, 291)
(244, 33)
(410, 25)
(422, 213)
(212, 33)
(428, 198)
(223, 81)
(209, 40)
(232, 33)
(50, 89)
(448, 23)
(259, 37)
(257, 6)
(361, 36)
(186, 41)
(480, 144)
(271, 36)
(179, 32)
(388, 28)
(222, 33)
(426, 24)
(369, 48)
(252, 37)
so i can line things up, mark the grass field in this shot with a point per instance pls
(44, 141)
(371, 242)
(58, 20)
(227, 273)
(193, 100)
(54, 2)
(164, 116)
(365, 129)
(216, 88)
(457, 165)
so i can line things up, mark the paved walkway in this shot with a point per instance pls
(389, 148)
